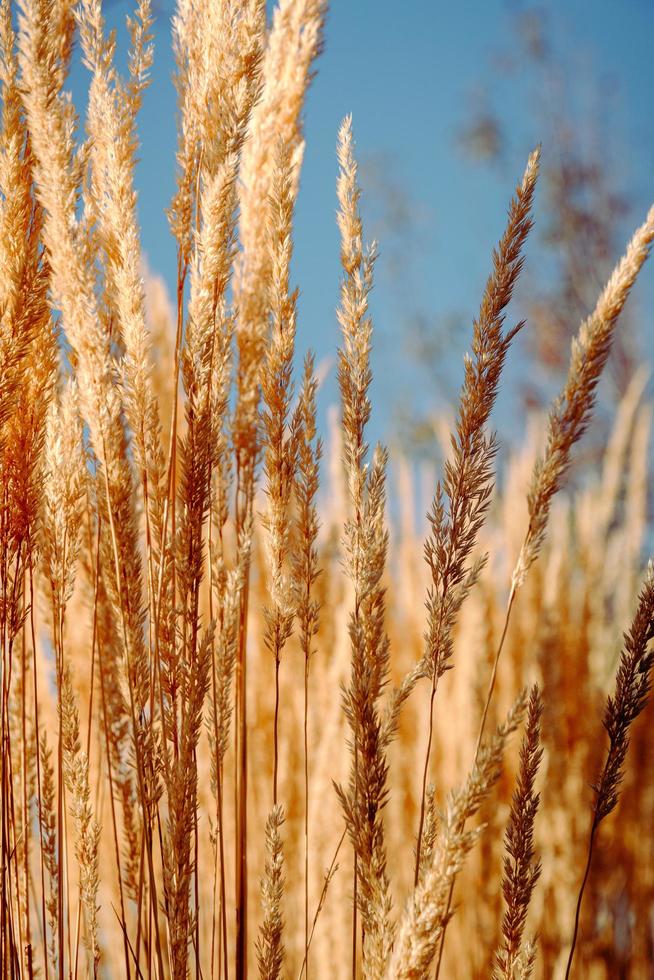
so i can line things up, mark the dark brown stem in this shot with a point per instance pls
(491, 685)
(425, 772)
(276, 732)
(241, 792)
(355, 875)
(580, 897)
(223, 899)
(26, 827)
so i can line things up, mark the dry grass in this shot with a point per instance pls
(233, 738)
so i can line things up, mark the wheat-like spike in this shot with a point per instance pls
(114, 730)
(63, 506)
(20, 228)
(225, 652)
(27, 374)
(428, 911)
(270, 943)
(293, 44)
(57, 171)
(227, 587)
(573, 407)
(111, 125)
(206, 355)
(354, 356)
(27, 334)
(521, 870)
(365, 545)
(228, 82)
(460, 505)
(527, 961)
(116, 726)
(179, 864)
(632, 688)
(430, 831)
(306, 570)
(76, 778)
(280, 431)
(64, 497)
(569, 417)
(205, 372)
(363, 803)
(48, 830)
(218, 50)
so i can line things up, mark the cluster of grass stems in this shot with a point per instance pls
(222, 747)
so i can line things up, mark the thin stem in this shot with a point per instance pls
(355, 870)
(26, 820)
(67, 874)
(355, 874)
(425, 772)
(241, 793)
(243, 516)
(331, 871)
(139, 902)
(197, 886)
(493, 678)
(306, 812)
(223, 899)
(276, 732)
(38, 766)
(580, 897)
(60, 789)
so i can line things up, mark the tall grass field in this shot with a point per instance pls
(259, 717)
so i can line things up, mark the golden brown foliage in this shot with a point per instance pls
(183, 594)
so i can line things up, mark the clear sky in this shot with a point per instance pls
(410, 73)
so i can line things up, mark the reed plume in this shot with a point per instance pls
(306, 570)
(521, 870)
(572, 409)
(290, 48)
(270, 945)
(569, 417)
(632, 687)
(280, 432)
(365, 544)
(461, 504)
(76, 780)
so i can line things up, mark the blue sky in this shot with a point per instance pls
(410, 73)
